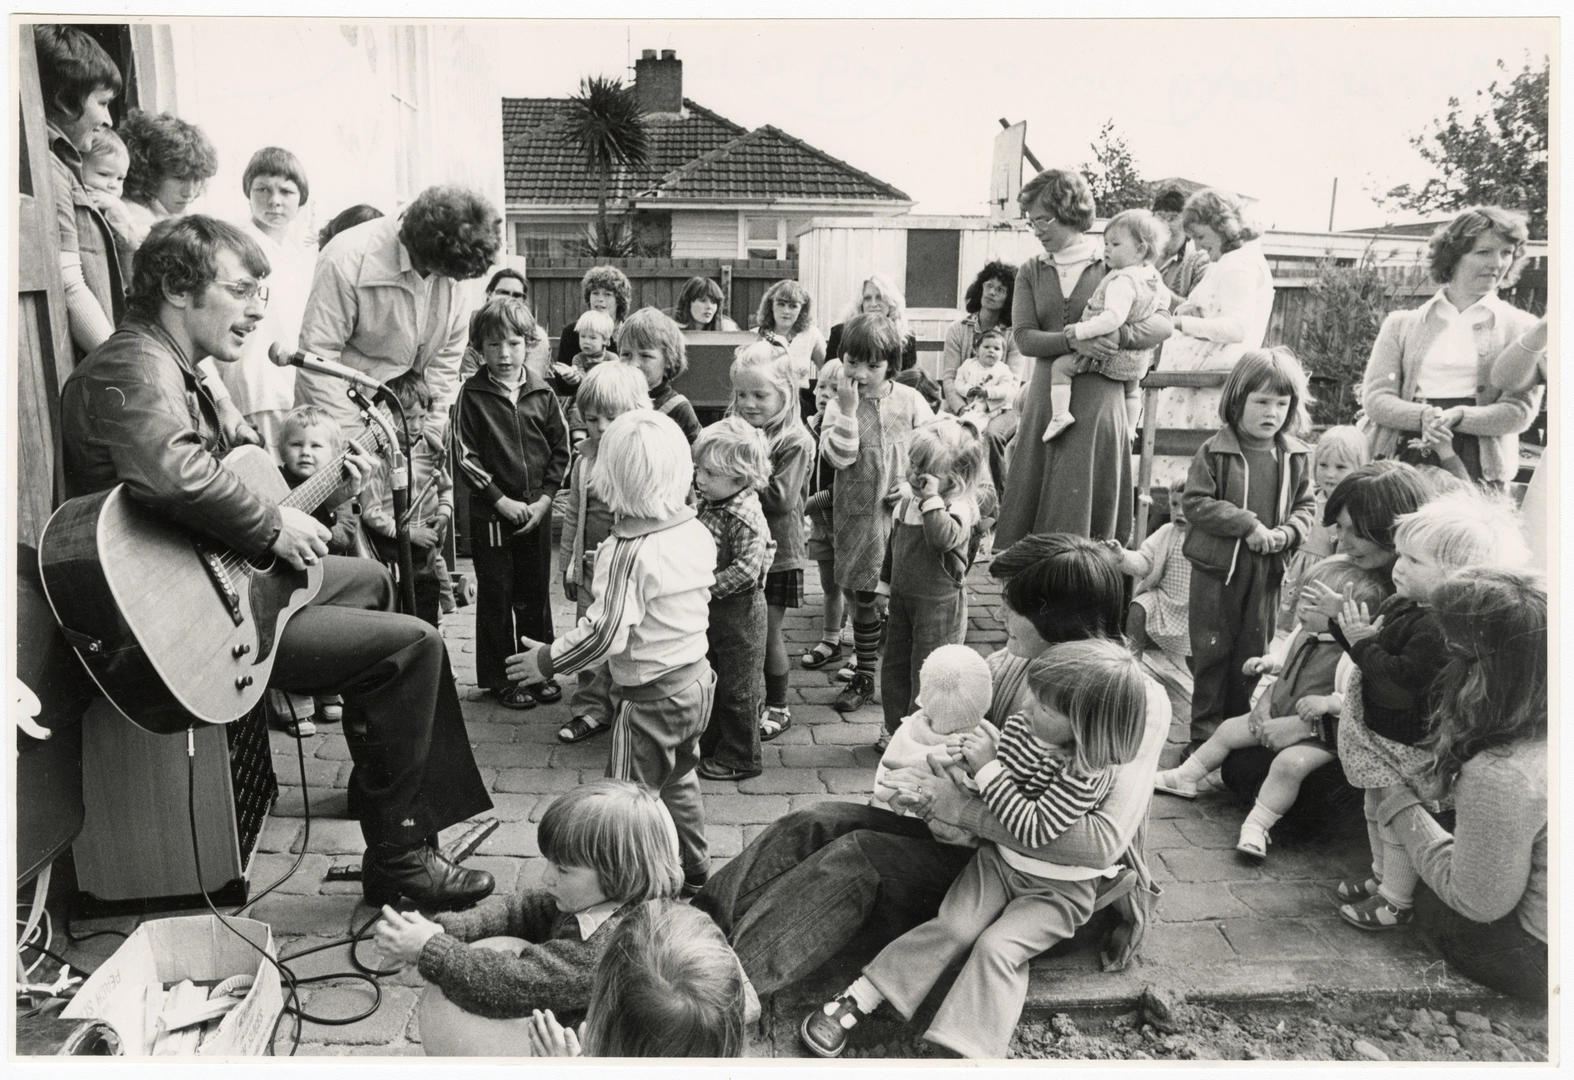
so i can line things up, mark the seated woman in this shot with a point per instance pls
(699, 306)
(1483, 903)
(817, 879)
(605, 288)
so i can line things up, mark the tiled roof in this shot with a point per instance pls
(699, 155)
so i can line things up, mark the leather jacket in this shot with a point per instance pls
(136, 412)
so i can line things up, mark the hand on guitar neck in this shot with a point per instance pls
(303, 539)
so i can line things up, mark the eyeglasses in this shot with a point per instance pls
(246, 290)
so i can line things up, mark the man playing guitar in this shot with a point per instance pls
(135, 412)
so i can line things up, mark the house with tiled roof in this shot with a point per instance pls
(710, 189)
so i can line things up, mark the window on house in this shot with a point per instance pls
(766, 237)
(933, 256)
(409, 80)
(548, 240)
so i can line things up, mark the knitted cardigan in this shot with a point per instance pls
(554, 971)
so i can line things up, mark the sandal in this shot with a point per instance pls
(1253, 841)
(581, 728)
(774, 721)
(711, 769)
(823, 653)
(1376, 913)
(515, 696)
(1170, 784)
(547, 692)
(1354, 890)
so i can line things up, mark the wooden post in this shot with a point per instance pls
(726, 290)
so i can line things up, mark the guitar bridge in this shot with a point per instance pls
(213, 563)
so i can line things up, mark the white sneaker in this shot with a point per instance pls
(1254, 841)
(1170, 783)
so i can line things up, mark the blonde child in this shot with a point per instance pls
(607, 392)
(1398, 655)
(648, 620)
(1039, 775)
(652, 342)
(609, 846)
(985, 381)
(764, 394)
(786, 318)
(820, 546)
(1158, 614)
(1131, 292)
(667, 986)
(1249, 501)
(595, 335)
(1291, 717)
(731, 467)
(104, 176)
(1339, 452)
(931, 535)
(865, 437)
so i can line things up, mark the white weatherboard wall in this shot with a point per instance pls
(704, 234)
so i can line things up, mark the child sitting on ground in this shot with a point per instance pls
(1289, 717)
(957, 693)
(514, 446)
(431, 496)
(1131, 292)
(1339, 452)
(668, 985)
(648, 620)
(1038, 776)
(595, 334)
(731, 466)
(1159, 614)
(985, 382)
(652, 342)
(607, 392)
(609, 846)
(1398, 655)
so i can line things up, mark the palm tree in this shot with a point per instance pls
(606, 123)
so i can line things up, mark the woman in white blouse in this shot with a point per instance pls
(1225, 315)
(1430, 374)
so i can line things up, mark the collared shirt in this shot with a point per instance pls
(591, 918)
(744, 547)
(1451, 367)
(371, 311)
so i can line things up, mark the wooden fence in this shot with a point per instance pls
(557, 300)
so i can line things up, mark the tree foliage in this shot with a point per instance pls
(1113, 175)
(606, 124)
(1494, 154)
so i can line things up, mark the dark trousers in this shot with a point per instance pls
(821, 879)
(736, 653)
(513, 593)
(915, 627)
(414, 773)
(1498, 954)
(1230, 624)
(428, 591)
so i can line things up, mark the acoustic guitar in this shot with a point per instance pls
(175, 626)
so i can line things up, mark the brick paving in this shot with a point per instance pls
(1225, 928)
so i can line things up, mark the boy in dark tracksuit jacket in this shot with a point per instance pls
(513, 444)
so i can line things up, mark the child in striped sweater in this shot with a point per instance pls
(1039, 774)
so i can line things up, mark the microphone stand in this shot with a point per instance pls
(400, 470)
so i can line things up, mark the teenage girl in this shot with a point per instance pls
(786, 318)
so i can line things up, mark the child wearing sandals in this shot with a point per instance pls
(1039, 775)
(820, 546)
(1300, 698)
(765, 394)
(731, 467)
(1398, 655)
(609, 846)
(606, 393)
(1338, 453)
(648, 620)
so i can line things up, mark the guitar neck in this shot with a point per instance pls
(310, 495)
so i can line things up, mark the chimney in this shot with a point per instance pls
(659, 82)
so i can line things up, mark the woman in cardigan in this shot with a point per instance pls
(839, 873)
(1082, 482)
(1226, 314)
(1519, 367)
(988, 308)
(1431, 367)
(1484, 900)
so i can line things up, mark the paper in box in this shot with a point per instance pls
(201, 949)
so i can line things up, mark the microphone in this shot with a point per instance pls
(281, 356)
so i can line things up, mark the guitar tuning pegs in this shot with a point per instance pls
(243, 682)
(240, 650)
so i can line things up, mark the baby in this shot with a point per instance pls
(985, 381)
(104, 176)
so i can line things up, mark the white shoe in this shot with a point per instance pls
(1057, 424)
(1171, 784)
(1254, 841)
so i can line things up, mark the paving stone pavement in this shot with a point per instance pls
(1224, 927)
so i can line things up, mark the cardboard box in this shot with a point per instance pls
(201, 949)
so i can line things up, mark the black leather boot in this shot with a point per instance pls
(423, 875)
